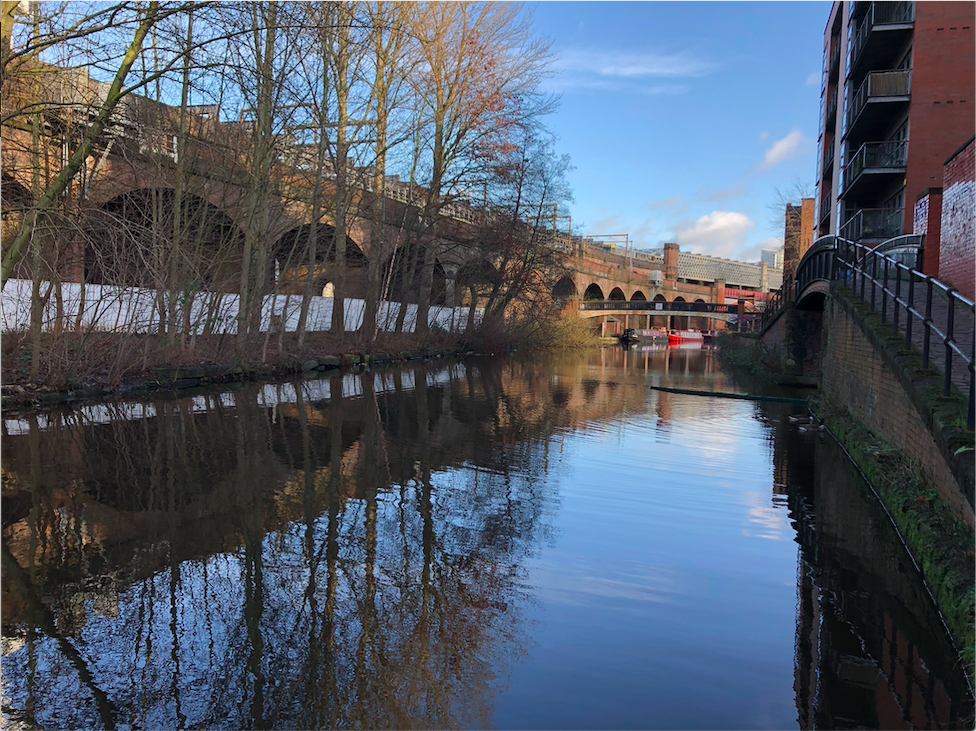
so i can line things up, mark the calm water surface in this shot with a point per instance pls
(487, 543)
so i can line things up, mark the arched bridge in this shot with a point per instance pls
(929, 316)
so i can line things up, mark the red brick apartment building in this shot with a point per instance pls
(898, 98)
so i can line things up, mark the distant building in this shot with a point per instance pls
(896, 102)
(691, 268)
(773, 258)
(798, 228)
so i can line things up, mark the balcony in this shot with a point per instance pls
(831, 114)
(876, 165)
(823, 217)
(876, 102)
(828, 162)
(874, 225)
(881, 36)
(834, 66)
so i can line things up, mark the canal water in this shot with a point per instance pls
(508, 543)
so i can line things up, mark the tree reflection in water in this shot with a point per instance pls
(304, 563)
(355, 552)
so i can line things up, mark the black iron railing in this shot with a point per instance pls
(932, 317)
(880, 14)
(874, 223)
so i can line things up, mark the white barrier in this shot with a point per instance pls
(136, 310)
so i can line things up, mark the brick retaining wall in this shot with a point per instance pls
(855, 375)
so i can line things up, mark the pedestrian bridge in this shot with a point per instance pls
(709, 310)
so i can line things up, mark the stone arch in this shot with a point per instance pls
(564, 288)
(126, 237)
(638, 296)
(617, 294)
(593, 292)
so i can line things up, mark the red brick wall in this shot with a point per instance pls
(943, 89)
(852, 374)
(957, 254)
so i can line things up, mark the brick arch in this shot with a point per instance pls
(638, 296)
(593, 292)
(288, 259)
(402, 273)
(617, 294)
(565, 288)
(122, 239)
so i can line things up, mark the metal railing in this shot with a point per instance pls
(834, 63)
(829, 157)
(831, 113)
(878, 84)
(890, 155)
(931, 316)
(883, 13)
(651, 307)
(874, 223)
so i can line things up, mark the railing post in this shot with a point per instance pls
(874, 278)
(950, 322)
(909, 317)
(863, 264)
(884, 293)
(971, 416)
(894, 303)
(927, 323)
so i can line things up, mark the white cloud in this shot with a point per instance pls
(813, 79)
(754, 253)
(764, 135)
(720, 233)
(631, 65)
(784, 149)
(611, 223)
(735, 190)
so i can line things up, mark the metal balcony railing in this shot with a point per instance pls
(834, 64)
(831, 114)
(878, 84)
(874, 223)
(828, 162)
(891, 155)
(879, 14)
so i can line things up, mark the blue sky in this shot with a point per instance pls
(683, 119)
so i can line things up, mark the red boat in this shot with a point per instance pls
(685, 336)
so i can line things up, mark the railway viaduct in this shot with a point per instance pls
(130, 181)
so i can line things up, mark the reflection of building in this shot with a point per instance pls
(896, 102)
(869, 650)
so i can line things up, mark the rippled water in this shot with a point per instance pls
(508, 543)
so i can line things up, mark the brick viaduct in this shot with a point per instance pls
(138, 160)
